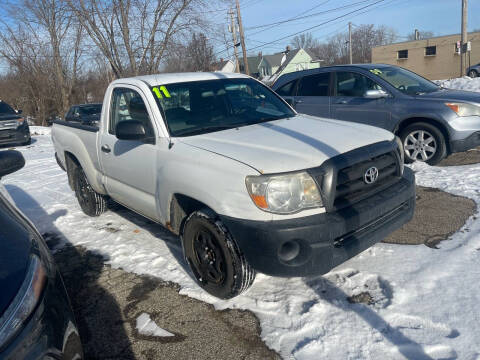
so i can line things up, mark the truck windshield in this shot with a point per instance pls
(406, 81)
(198, 107)
(90, 110)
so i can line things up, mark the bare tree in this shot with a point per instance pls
(40, 39)
(133, 35)
(364, 38)
(196, 55)
(304, 41)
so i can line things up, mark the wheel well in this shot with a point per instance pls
(71, 163)
(437, 124)
(181, 207)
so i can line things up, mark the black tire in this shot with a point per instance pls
(214, 257)
(472, 74)
(412, 148)
(91, 202)
(28, 142)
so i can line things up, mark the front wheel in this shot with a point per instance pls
(472, 74)
(91, 202)
(214, 257)
(423, 142)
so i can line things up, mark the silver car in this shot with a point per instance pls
(431, 121)
(474, 71)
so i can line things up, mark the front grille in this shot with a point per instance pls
(6, 135)
(351, 186)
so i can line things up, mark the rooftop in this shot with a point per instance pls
(170, 78)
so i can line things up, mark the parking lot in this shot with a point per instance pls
(107, 301)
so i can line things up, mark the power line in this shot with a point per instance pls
(247, 4)
(311, 28)
(299, 17)
(316, 26)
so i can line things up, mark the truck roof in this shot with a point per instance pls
(170, 78)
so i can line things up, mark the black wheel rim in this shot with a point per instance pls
(209, 260)
(84, 190)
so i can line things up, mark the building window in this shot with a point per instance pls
(430, 51)
(402, 54)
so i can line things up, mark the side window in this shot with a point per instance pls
(314, 85)
(128, 105)
(353, 84)
(287, 89)
(76, 114)
(69, 114)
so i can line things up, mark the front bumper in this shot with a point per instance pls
(470, 142)
(325, 240)
(16, 136)
(51, 332)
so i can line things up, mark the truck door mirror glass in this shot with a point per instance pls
(10, 161)
(130, 130)
(375, 94)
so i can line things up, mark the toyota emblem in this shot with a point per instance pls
(371, 175)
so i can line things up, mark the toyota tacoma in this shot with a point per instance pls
(247, 183)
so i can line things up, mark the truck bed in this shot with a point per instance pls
(80, 141)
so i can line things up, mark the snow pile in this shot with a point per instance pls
(40, 130)
(389, 302)
(464, 83)
(148, 327)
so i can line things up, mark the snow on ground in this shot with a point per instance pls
(146, 326)
(425, 300)
(463, 83)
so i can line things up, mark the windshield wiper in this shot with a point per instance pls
(204, 129)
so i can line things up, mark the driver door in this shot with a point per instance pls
(349, 103)
(130, 165)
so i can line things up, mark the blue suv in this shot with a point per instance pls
(431, 121)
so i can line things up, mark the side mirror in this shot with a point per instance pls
(130, 130)
(375, 94)
(19, 111)
(10, 161)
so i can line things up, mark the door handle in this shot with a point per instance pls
(298, 102)
(106, 148)
(341, 102)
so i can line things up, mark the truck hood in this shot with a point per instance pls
(296, 143)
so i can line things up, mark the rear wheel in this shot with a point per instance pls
(472, 74)
(217, 263)
(91, 202)
(423, 142)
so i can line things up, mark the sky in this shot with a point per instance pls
(442, 17)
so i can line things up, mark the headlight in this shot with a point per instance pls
(24, 302)
(284, 194)
(464, 109)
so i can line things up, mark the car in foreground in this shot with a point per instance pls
(36, 320)
(431, 121)
(14, 128)
(247, 183)
(86, 114)
(474, 71)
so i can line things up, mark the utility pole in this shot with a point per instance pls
(463, 43)
(242, 38)
(233, 30)
(350, 41)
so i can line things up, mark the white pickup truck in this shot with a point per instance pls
(246, 182)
